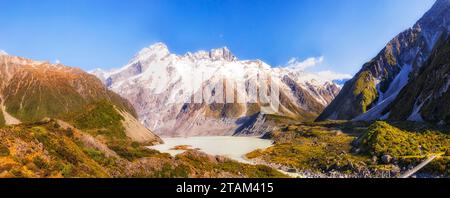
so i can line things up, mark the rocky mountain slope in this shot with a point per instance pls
(427, 97)
(393, 73)
(33, 90)
(214, 93)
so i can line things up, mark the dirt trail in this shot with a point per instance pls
(9, 119)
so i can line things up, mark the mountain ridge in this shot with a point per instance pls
(31, 91)
(367, 95)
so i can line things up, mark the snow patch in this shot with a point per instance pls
(444, 88)
(385, 116)
(415, 115)
(376, 111)
(399, 81)
(388, 97)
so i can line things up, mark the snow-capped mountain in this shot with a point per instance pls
(374, 92)
(170, 92)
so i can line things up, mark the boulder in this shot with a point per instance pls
(386, 159)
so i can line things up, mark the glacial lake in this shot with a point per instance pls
(229, 146)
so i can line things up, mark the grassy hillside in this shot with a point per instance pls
(409, 143)
(356, 149)
(34, 100)
(100, 118)
(34, 90)
(385, 139)
(44, 150)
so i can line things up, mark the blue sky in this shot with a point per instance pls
(107, 33)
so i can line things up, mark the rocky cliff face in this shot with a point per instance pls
(170, 91)
(369, 94)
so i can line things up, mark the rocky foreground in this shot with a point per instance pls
(53, 148)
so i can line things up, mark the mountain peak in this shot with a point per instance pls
(442, 3)
(155, 48)
(158, 49)
(158, 45)
(221, 49)
(217, 54)
(222, 54)
(437, 17)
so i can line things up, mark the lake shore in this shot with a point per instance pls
(232, 147)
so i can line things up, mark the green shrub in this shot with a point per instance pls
(383, 138)
(101, 118)
(365, 90)
(40, 163)
(126, 150)
(67, 170)
(99, 157)
(2, 119)
(4, 150)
